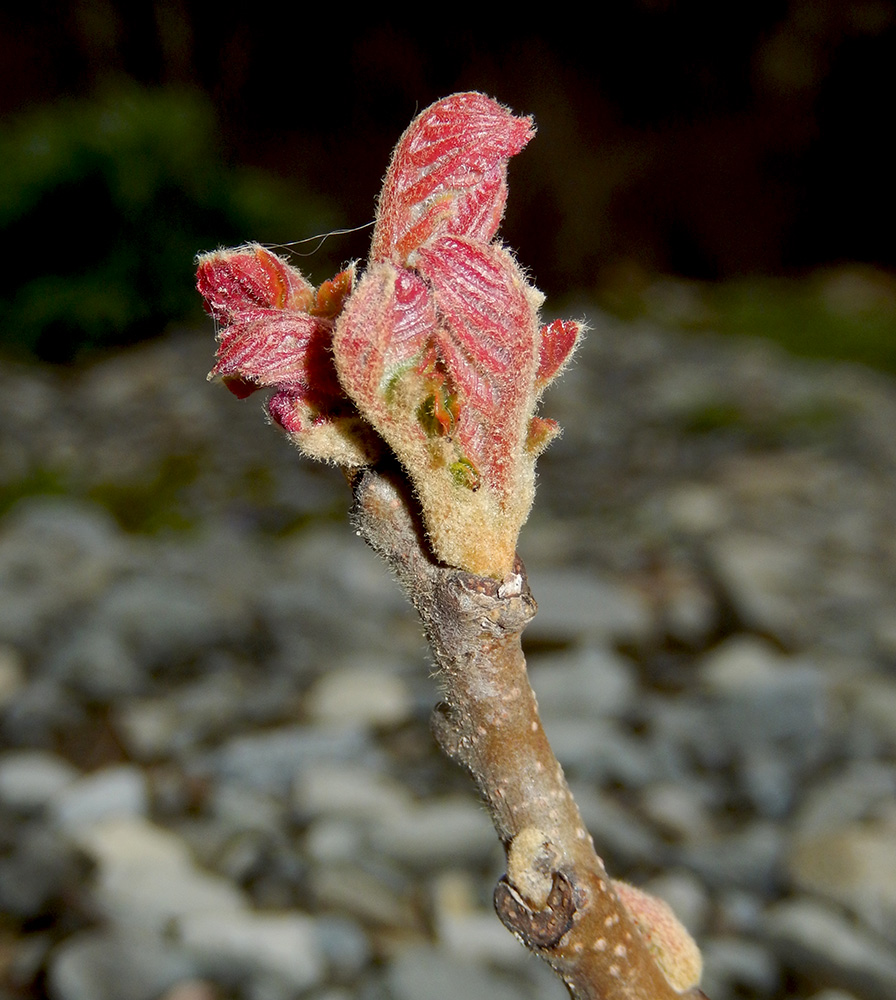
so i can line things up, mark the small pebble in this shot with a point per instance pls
(31, 779)
(365, 695)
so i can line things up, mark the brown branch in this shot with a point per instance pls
(556, 897)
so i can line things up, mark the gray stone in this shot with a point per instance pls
(740, 911)
(686, 606)
(346, 575)
(733, 968)
(334, 840)
(164, 619)
(12, 674)
(192, 989)
(697, 508)
(113, 792)
(588, 682)
(762, 576)
(873, 706)
(284, 946)
(345, 947)
(94, 661)
(150, 728)
(208, 709)
(271, 761)
(145, 876)
(237, 809)
(751, 858)
(37, 871)
(683, 731)
(30, 779)
(369, 695)
(449, 831)
(39, 711)
(333, 557)
(833, 995)
(862, 790)
(573, 605)
(818, 941)
(765, 704)
(378, 897)
(437, 975)
(348, 790)
(678, 810)
(601, 751)
(770, 781)
(854, 866)
(616, 829)
(55, 555)
(468, 929)
(107, 965)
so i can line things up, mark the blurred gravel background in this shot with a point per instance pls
(216, 775)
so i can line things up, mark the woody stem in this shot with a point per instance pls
(556, 897)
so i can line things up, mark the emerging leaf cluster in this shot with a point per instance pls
(434, 352)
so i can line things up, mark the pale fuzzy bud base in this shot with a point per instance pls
(673, 948)
(475, 529)
(349, 443)
(469, 525)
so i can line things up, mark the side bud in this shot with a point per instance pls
(675, 951)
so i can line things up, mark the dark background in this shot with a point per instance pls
(707, 141)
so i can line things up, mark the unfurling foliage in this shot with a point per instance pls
(435, 351)
(435, 355)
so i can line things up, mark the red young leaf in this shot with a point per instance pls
(385, 328)
(233, 281)
(448, 175)
(268, 333)
(333, 294)
(279, 348)
(540, 434)
(486, 337)
(558, 340)
(297, 410)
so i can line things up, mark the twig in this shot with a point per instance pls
(556, 897)
(436, 354)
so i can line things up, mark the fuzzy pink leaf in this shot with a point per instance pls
(558, 341)
(448, 175)
(297, 410)
(486, 337)
(279, 348)
(540, 433)
(234, 281)
(437, 351)
(386, 327)
(269, 333)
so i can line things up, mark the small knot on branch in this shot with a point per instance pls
(501, 606)
(537, 928)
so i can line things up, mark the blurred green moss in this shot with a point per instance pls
(800, 424)
(153, 504)
(104, 204)
(39, 481)
(847, 312)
